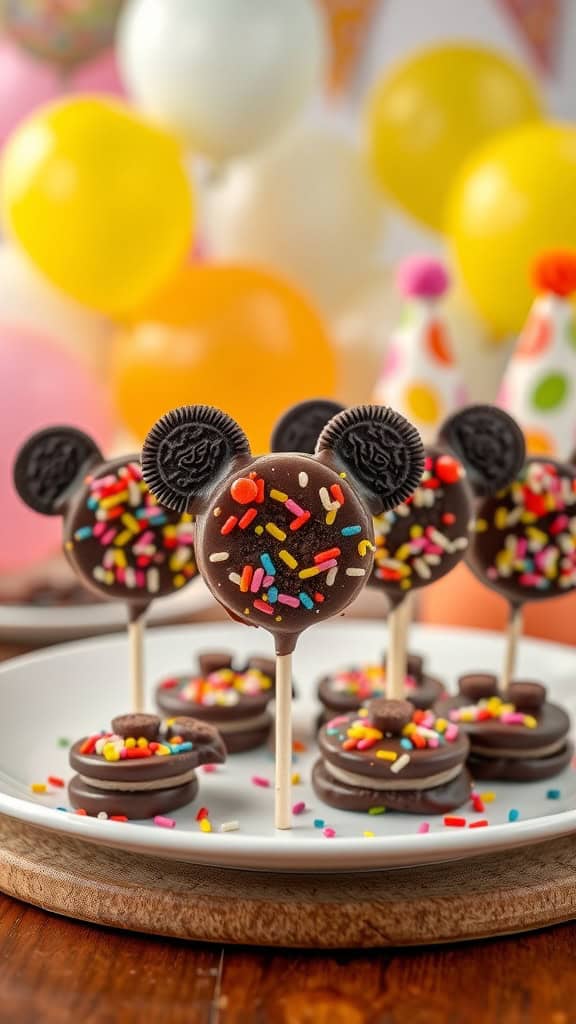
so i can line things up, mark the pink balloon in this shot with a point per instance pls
(25, 83)
(40, 385)
(99, 75)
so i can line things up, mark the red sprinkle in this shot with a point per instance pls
(247, 518)
(448, 518)
(246, 578)
(478, 824)
(261, 606)
(244, 490)
(319, 598)
(81, 812)
(202, 813)
(229, 525)
(337, 493)
(208, 768)
(323, 556)
(448, 469)
(451, 822)
(118, 817)
(55, 780)
(260, 492)
(168, 684)
(477, 803)
(297, 523)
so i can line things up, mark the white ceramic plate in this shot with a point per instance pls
(75, 689)
(26, 623)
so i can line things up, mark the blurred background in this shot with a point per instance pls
(252, 202)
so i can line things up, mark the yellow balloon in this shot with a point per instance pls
(99, 200)
(514, 200)
(429, 114)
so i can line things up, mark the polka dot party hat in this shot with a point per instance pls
(420, 376)
(539, 385)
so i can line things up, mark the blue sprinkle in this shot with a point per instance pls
(65, 809)
(92, 503)
(157, 520)
(318, 823)
(268, 564)
(513, 815)
(83, 533)
(349, 531)
(273, 595)
(306, 601)
(181, 748)
(553, 794)
(406, 743)
(142, 513)
(333, 731)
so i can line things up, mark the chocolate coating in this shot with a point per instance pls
(137, 725)
(437, 800)
(525, 536)
(224, 696)
(390, 716)
(529, 769)
(136, 806)
(304, 545)
(424, 538)
(299, 428)
(478, 686)
(344, 690)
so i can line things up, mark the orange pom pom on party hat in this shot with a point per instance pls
(539, 385)
(555, 272)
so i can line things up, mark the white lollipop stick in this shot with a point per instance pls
(398, 624)
(136, 645)
(513, 633)
(283, 777)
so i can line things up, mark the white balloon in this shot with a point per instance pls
(28, 300)
(223, 75)
(306, 207)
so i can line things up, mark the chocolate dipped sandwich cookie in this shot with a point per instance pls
(234, 700)
(142, 768)
(519, 737)
(390, 755)
(346, 689)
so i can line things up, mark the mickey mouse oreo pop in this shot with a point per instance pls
(118, 540)
(283, 540)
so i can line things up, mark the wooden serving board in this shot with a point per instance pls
(500, 894)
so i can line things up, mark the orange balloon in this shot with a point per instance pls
(234, 337)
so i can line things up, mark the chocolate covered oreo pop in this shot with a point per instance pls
(142, 768)
(283, 540)
(117, 539)
(390, 756)
(234, 700)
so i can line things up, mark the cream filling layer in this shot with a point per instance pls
(140, 787)
(365, 782)
(242, 724)
(516, 754)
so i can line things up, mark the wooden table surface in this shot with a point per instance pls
(53, 971)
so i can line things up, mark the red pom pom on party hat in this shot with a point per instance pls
(555, 272)
(423, 277)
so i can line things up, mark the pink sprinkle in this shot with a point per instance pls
(433, 742)
(140, 579)
(329, 564)
(329, 832)
(108, 537)
(512, 718)
(293, 507)
(267, 581)
(146, 538)
(340, 720)
(299, 807)
(164, 822)
(258, 780)
(366, 744)
(257, 580)
(559, 524)
(529, 579)
(451, 733)
(98, 529)
(424, 827)
(422, 277)
(208, 768)
(293, 602)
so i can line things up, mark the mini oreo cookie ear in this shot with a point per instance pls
(49, 464)
(489, 443)
(380, 450)
(299, 428)
(187, 452)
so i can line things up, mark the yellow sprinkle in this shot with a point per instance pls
(179, 580)
(130, 743)
(162, 751)
(38, 787)
(409, 729)
(416, 531)
(169, 721)
(288, 558)
(403, 552)
(342, 476)
(364, 546)
(120, 559)
(306, 574)
(405, 584)
(142, 742)
(186, 517)
(131, 522)
(331, 517)
(488, 798)
(275, 531)
(114, 499)
(441, 725)
(481, 525)
(278, 495)
(386, 755)
(205, 825)
(169, 531)
(501, 517)
(363, 713)
(68, 545)
(296, 778)
(259, 530)
(467, 716)
(530, 721)
(110, 753)
(277, 618)
(123, 538)
(368, 835)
